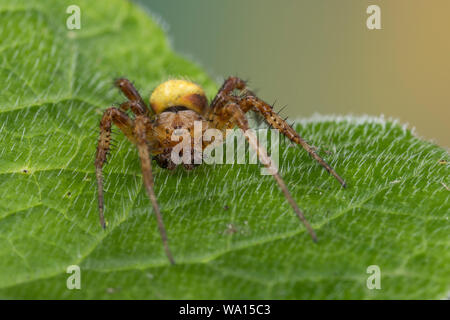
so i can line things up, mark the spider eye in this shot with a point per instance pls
(176, 93)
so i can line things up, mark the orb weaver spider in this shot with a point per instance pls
(177, 104)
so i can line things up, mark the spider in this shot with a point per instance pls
(176, 104)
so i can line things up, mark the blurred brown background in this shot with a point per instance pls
(319, 56)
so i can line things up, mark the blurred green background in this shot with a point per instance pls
(317, 56)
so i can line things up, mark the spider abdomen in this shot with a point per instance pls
(174, 93)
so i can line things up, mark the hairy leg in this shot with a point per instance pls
(121, 120)
(250, 102)
(141, 124)
(222, 96)
(136, 103)
(273, 119)
(233, 113)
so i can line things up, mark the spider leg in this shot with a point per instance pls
(232, 112)
(121, 120)
(141, 125)
(136, 103)
(249, 101)
(229, 85)
(273, 119)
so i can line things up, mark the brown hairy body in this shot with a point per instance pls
(165, 126)
(175, 106)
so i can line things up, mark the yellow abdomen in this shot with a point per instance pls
(178, 93)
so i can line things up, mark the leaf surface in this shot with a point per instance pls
(232, 233)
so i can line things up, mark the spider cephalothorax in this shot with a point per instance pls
(178, 104)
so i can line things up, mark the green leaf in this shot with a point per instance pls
(232, 233)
